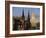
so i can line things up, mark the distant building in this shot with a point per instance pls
(33, 20)
(21, 24)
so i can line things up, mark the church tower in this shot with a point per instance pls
(23, 19)
(29, 24)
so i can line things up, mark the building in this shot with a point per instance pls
(33, 20)
(22, 24)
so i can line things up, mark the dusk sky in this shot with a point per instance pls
(17, 11)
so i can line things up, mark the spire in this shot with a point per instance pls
(23, 13)
(29, 24)
(28, 15)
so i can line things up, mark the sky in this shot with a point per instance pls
(17, 11)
